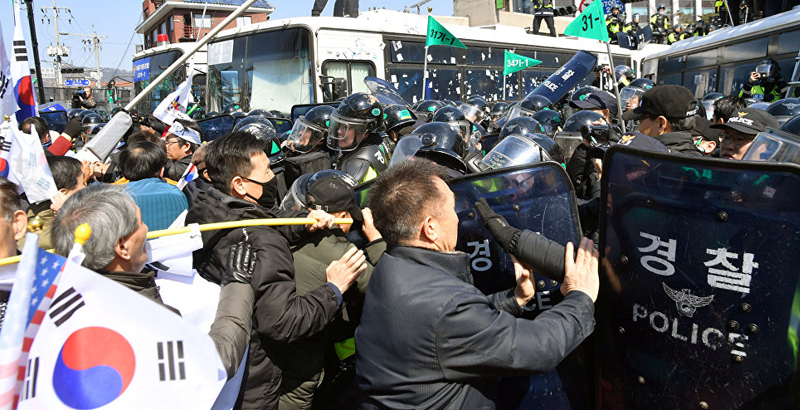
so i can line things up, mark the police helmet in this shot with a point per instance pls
(621, 70)
(520, 126)
(708, 103)
(91, 121)
(582, 92)
(636, 17)
(792, 125)
(237, 114)
(296, 198)
(481, 103)
(550, 121)
(75, 113)
(397, 117)
(580, 119)
(357, 116)
(661, 6)
(231, 108)
(499, 109)
(783, 110)
(277, 114)
(631, 95)
(757, 104)
(212, 114)
(310, 130)
(530, 105)
(259, 112)
(424, 109)
(518, 149)
(262, 129)
(768, 68)
(441, 143)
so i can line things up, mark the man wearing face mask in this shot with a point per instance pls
(244, 187)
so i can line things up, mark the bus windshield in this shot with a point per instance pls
(271, 70)
(147, 69)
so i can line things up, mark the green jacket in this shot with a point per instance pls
(303, 360)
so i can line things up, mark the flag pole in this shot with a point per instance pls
(424, 72)
(504, 86)
(616, 88)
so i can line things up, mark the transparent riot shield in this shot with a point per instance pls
(216, 127)
(539, 198)
(384, 91)
(700, 297)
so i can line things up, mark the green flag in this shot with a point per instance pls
(589, 24)
(516, 62)
(439, 36)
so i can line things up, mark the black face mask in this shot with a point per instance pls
(269, 193)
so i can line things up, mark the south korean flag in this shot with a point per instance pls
(103, 345)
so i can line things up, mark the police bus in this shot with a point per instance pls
(150, 63)
(281, 63)
(723, 60)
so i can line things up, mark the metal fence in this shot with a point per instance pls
(64, 95)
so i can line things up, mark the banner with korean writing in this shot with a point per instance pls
(700, 281)
(440, 36)
(515, 62)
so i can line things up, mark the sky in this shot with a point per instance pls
(117, 19)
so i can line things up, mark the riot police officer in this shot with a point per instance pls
(660, 24)
(765, 82)
(354, 138)
(543, 10)
(614, 24)
(305, 147)
(676, 34)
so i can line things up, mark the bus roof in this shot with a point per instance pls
(756, 29)
(399, 23)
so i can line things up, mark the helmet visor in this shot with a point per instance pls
(518, 111)
(771, 147)
(471, 112)
(514, 150)
(764, 69)
(304, 136)
(568, 142)
(630, 97)
(405, 149)
(345, 134)
(295, 199)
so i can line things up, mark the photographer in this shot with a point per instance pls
(83, 98)
(765, 83)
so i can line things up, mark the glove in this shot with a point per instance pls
(505, 234)
(240, 265)
(73, 128)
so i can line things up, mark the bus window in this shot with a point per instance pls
(547, 59)
(409, 83)
(270, 70)
(674, 79)
(702, 59)
(745, 51)
(787, 67)
(669, 65)
(732, 78)
(485, 56)
(489, 84)
(352, 72)
(414, 52)
(158, 63)
(700, 82)
(531, 78)
(787, 42)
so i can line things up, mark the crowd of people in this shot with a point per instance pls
(381, 313)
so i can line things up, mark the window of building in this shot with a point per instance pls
(243, 21)
(202, 20)
(163, 28)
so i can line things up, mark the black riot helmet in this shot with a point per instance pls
(277, 114)
(499, 110)
(631, 95)
(768, 69)
(783, 110)
(262, 129)
(520, 126)
(581, 119)
(530, 105)
(792, 126)
(621, 70)
(519, 149)
(231, 108)
(480, 102)
(259, 112)
(75, 113)
(91, 121)
(237, 114)
(456, 118)
(442, 144)
(397, 117)
(550, 121)
(425, 109)
(310, 130)
(357, 116)
(581, 93)
(636, 17)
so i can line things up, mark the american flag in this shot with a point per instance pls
(20, 304)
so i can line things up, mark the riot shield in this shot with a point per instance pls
(300, 110)
(567, 77)
(56, 120)
(637, 40)
(700, 297)
(384, 91)
(216, 127)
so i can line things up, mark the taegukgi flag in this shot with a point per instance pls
(174, 106)
(20, 72)
(103, 345)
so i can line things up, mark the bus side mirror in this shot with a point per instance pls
(333, 88)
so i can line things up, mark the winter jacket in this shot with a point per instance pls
(680, 142)
(280, 315)
(428, 339)
(305, 358)
(176, 169)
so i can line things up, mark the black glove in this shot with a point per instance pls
(73, 128)
(505, 234)
(241, 264)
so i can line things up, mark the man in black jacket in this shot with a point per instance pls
(428, 338)
(245, 188)
(667, 114)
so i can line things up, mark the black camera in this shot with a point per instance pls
(599, 135)
(77, 97)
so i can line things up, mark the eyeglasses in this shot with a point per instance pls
(735, 139)
(167, 143)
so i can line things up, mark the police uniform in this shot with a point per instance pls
(543, 10)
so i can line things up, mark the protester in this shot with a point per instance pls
(725, 107)
(460, 341)
(181, 141)
(201, 183)
(14, 223)
(68, 174)
(244, 187)
(142, 163)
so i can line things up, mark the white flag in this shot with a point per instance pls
(8, 104)
(29, 165)
(103, 345)
(175, 105)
